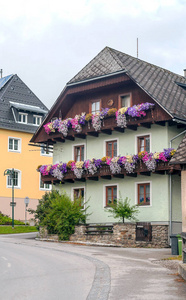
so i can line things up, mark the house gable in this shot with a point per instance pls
(112, 72)
(16, 98)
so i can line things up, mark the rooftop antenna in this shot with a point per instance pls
(137, 47)
(1, 72)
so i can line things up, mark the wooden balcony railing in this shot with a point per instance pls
(105, 173)
(109, 124)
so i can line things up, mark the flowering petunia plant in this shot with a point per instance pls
(96, 119)
(128, 163)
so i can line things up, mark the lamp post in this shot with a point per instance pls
(26, 200)
(10, 172)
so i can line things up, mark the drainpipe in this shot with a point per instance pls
(170, 185)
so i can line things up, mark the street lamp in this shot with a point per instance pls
(10, 172)
(26, 200)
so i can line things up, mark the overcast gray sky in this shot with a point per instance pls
(46, 42)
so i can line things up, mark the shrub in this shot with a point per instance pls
(123, 210)
(6, 220)
(59, 214)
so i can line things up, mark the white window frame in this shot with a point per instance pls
(37, 117)
(92, 102)
(46, 154)
(136, 193)
(44, 188)
(75, 188)
(104, 193)
(19, 144)
(136, 141)
(110, 140)
(125, 95)
(76, 145)
(19, 180)
(26, 118)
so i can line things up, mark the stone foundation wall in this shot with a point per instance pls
(124, 235)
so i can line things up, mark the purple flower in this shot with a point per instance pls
(82, 120)
(167, 152)
(56, 124)
(69, 122)
(97, 163)
(104, 112)
(132, 111)
(63, 168)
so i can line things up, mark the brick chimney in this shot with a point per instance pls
(184, 72)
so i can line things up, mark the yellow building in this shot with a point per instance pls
(21, 112)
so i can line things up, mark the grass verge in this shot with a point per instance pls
(17, 229)
(176, 257)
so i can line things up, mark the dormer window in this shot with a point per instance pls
(37, 120)
(125, 100)
(95, 107)
(23, 118)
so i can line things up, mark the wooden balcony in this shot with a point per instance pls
(104, 172)
(109, 125)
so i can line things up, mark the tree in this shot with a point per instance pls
(59, 214)
(123, 210)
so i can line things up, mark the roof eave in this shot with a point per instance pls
(177, 162)
(95, 78)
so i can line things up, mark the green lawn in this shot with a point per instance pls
(17, 229)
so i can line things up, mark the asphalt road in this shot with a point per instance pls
(35, 270)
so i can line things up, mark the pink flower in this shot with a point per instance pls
(73, 165)
(74, 122)
(145, 157)
(87, 163)
(108, 161)
(47, 129)
(117, 112)
(162, 156)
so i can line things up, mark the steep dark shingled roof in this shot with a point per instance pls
(13, 89)
(180, 155)
(158, 83)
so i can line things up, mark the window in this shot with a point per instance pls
(125, 101)
(45, 151)
(111, 194)
(144, 143)
(79, 153)
(23, 118)
(44, 186)
(111, 148)
(79, 193)
(16, 178)
(95, 107)
(37, 120)
(14, 144)
(143, 193)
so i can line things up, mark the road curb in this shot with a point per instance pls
(182, 270)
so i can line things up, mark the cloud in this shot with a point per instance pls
(47, 42)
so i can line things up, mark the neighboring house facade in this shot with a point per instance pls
(114, 81)
(21, 112)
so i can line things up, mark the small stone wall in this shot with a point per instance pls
(124, 235)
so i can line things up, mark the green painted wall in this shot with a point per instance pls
(95, 147)
(158, 211)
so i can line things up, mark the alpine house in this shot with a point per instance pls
(21, 112)
(114, 129)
